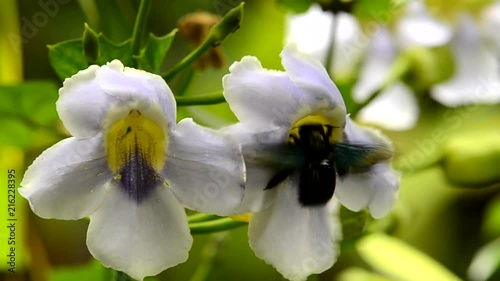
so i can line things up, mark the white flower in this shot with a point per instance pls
(474, 44)
(290, 176)
(476, 50)
(131, 168)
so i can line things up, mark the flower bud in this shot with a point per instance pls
(196, 28)
(90, 45)
(429, 66)
(473, 160)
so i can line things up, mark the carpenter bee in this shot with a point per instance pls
(319, 161)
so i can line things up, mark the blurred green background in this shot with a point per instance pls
(449, 206)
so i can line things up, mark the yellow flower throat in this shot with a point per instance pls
(136, 153)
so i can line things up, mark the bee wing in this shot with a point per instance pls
(359, 156)
(280, 156)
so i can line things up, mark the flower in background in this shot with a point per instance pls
(300, 151)
(131, 168)
(474, 47)
(476, 50)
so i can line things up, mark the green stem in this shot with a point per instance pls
(186, 82)
(219, 32)
(373, 96)
(200, 217)
(207, 258)
(206, 99)
(330, 52)
(139, 27)
(11, 57)
(189, 59)
(120, 276)
(398, 70)
(214, 225)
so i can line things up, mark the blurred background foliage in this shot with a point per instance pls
(446, 225)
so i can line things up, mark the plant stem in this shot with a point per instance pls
(200, 217)
(139, 27)
(214, 226)
(206, 99)
(361, 105)
(330, 52)
(219, 32)
(11, 57)
(207, 258)
(194, 55)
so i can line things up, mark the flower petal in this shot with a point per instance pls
(139, 90)
(380, 56)
(140, 239)
(205, 169)
(261, 153)
(261, 97)
(82, 105)
(298, 241)
(491, 24)
(299, 26)
(395, 109)
(418, 28)
(375, 189)
(68, 180)
(476, 78)
(310, 75)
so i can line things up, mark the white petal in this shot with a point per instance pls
(205, 169)
(68, 180)
(477, 73)
(350, 44)
(491, 24)
(311, 76)
(419, 28)
(261, 97)
(375, 189)
(380, 56)
(385, 185)
(395, 109)
(297, 241)
(82, 105)
(139, 90)
(140, 239)
(298, 30)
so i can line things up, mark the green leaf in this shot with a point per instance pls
(360, 274)
(109, 51)
(471, 160)
(34, 100)
(67, 58)
(400, 261)
(353, 223)
(91, 271)
(24, 109)
(297, 6)
(154, 52)
(382, 12)
(491, 227)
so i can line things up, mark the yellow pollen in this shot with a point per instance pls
(135, 134)
(317, 119)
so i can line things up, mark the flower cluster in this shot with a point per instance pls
(130, 167)
(454, 61)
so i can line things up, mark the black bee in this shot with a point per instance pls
(319, 161)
